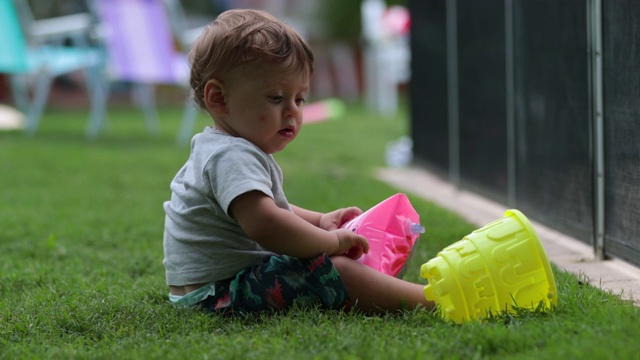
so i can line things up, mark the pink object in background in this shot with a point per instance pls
(392, 228)
(397, 20)
(323, 110)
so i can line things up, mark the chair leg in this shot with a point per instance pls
(20, 91)
(145, 93)
(99, 96)
(188, 122)
(42, 88)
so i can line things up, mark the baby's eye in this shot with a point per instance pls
(275, 98)
(300, 101)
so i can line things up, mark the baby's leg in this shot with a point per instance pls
(374, 292)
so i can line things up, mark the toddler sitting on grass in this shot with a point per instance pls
(232, 241)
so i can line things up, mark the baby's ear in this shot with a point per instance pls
(215, 97)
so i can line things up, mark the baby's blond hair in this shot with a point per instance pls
(239, 37)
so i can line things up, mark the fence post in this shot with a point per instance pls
(597, 115)
(510, 103)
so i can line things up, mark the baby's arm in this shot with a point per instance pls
(310, 216)
(329, 221)
(284, 232)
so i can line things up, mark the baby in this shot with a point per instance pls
(232, 241)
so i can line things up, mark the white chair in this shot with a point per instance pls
(38, 64)
(77, 27)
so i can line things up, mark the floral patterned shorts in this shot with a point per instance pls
(279, 283)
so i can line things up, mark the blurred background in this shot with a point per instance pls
(532, 103)
(358, 44)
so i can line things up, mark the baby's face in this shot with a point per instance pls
(265, 105)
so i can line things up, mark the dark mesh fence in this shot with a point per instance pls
(429, 94)
(554, 172)
(621, 37)
(553, 148)
(481, 96)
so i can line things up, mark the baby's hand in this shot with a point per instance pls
(334, 220)
(350, 244)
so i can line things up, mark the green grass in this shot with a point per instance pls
(81, 249)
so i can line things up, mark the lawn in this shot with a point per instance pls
(81, 271)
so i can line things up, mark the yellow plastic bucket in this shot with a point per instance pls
(493, 269)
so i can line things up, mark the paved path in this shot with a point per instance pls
(616, 276)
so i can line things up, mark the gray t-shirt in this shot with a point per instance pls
(202, 242)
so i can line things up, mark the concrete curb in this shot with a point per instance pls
(615, 276)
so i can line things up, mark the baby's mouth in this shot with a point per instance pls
(286, 132)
